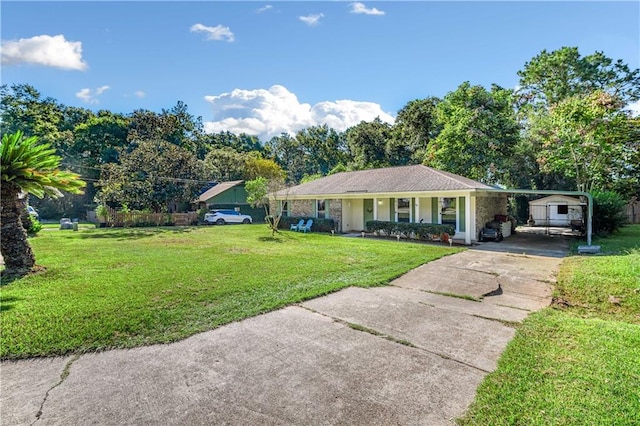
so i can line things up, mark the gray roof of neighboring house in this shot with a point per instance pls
(403, 179)
(216, 190)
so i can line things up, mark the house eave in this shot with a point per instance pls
(359, 195)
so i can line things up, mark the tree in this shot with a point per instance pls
(27, 168)
(225, 164)
(585, 137)
(367, 143)
(240, 143)
(175, 126)
(479, 134)
(576, 132)
(22, 108)
(258, 191)
(288, 153)
(551, 77)
(255, 166)
(152, 176)
(415, 127)
(323, 148)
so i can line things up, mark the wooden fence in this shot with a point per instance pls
(126, 219)
(633, 211)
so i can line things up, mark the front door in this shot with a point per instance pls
(367, 210)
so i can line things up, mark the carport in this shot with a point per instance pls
(589, 219)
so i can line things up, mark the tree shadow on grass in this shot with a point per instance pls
(129, 233)
(280, 237)
(6, 303)
(271, 239)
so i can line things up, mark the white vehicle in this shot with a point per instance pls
(33, 212)
(221, 217)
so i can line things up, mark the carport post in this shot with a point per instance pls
(589, 217)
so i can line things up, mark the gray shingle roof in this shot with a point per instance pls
(403, 179)
(218, 189)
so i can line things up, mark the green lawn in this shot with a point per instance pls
(106, 288)
(578, 361)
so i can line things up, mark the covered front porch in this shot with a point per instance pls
(464, 210)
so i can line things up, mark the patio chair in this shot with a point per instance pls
(306, 227)
(296, 227)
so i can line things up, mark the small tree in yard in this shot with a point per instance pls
(258, 191)
(27, 168)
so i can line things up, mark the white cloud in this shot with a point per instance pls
(634, 108)
(49, 51)
(139, 94)
(218, 32)
(269, 112)
(91, 96)
(362, 9)
(312, 20)
(264, 8)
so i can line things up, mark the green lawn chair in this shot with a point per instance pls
(306, 227)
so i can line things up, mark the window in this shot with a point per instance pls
(284, 208)
(563, 209)
(448, 211)
(403, 207)
(321, 212)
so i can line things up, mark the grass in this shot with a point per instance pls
(578, 361)
(106, 288)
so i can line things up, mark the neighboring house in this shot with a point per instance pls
(229, 195)
(555, 210)
(398, 194)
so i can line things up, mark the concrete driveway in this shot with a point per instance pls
(407, 353)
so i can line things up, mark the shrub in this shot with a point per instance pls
(319, 225)
(31, 225)
(608, 212)
(417, 230)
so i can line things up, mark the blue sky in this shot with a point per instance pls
(267, 67)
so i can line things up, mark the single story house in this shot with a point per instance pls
(229, 195)
(399, 194)
(555, 210)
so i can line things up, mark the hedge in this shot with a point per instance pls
(420, 231)
(319, 225)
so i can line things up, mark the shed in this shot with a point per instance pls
(555, 210)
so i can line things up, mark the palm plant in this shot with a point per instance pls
(26, 168)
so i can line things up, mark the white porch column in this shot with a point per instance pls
(375, 209)
(416, 210)
(467, 219)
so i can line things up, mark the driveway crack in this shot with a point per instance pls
(390, 338)
(63, 376)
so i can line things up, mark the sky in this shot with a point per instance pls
(265, 68)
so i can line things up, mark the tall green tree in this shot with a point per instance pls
(367, 144)
(585, 137)
(176, 126)
(225, 164)
(256, 166)
(577, 134)
(479, 134)
(26, 168)
(23, 108)
(323, 149)
(152, 176)
(551, 77)
(415, 127)
(288, 153)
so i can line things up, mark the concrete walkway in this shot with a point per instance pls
(408, 353)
